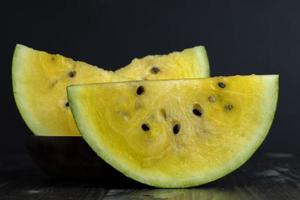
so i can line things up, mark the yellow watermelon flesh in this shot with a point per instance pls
(40, 80)
(176, 133)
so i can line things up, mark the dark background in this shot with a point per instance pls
(241, 37)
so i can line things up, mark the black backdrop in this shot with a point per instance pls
(241, 37)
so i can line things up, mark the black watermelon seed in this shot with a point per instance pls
(228, 107)
(145, 127)
(221, 85)
(140, 90)
(155, 70)
(72, 74)
(197, 112)
(176, 129)
(67, 104)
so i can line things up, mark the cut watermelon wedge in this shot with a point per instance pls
(176, 133)
(40, 80)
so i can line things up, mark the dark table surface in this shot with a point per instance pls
(267, 175)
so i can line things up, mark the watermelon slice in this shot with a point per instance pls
(176, 133)
(40, 80)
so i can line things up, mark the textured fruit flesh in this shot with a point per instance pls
(176, 133)
(40, 80)
(190, 63)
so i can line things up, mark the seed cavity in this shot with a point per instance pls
(67, 104)
(221, 85)
(53, 83)
(125, 115)
(228, 107)
(197, 110)
(138, 104)
(145, 127)
(163, 113)
(72, 74)
(176, 128)
(155, 70)
(140, 90)
(212, 99)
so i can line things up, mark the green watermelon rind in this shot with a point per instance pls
(272, 88)
(17, 73)
(203, 61)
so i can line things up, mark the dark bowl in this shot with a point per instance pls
(68, 157)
